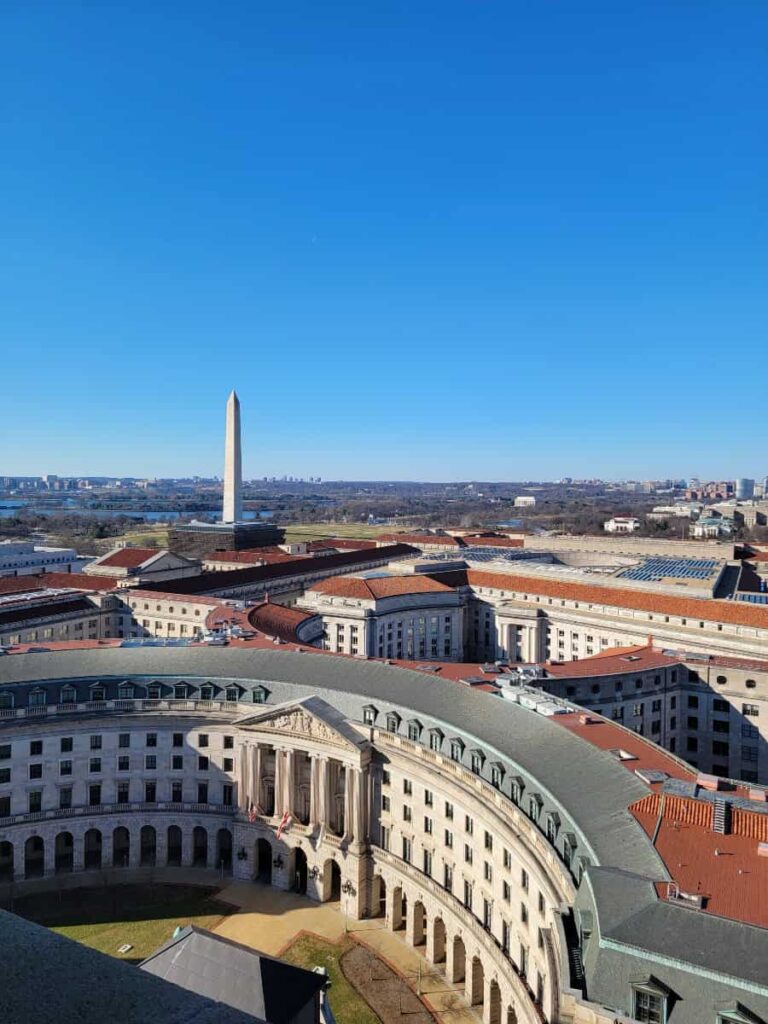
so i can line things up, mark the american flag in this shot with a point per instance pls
(284, 823)
(251, 813)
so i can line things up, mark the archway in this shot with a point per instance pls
(419, 933)
(397, 917)
(199, 847)
(173, 857)
(64, 853)
(224, 849)
(494, 1003)
(121, 847)
(331, 881)
(263, 862)
(148, 846)
(92, 850)
(299, 875)
(378, 897)
(476, 982)
(6, 862)
(459, 970)
(34, 857)
(438, 941)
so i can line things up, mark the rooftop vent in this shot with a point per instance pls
(691, 899)
(622, 755)
(651, 775)
(721, 818)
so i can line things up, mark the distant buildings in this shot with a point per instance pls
(621, 524)
(525, 501)
(20, 558)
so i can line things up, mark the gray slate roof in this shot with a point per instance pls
(233, 974)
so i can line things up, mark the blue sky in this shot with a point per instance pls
(492, 240)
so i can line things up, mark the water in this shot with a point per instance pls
(11, 507)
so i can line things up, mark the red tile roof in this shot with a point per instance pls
(20, 584)
(79, 581)
(252, 556)
(128, 558)
(492, 541)
(711, 610)
(278, 620)
(614, 661)
(379, 587)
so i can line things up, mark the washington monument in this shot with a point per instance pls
(233, 471)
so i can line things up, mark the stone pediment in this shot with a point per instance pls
(311, 718)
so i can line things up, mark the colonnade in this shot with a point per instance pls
(314, 789)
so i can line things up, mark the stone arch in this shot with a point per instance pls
(92, 843)
(147, 846)
(199, 847)
(399, 905)
(298, 870)
(262, 861)
(331, 881)
(459, 966)
(439, 942)
(64, 853)
(6, 861)
(121, 847)
(224, 849)
(174, 851)
(34, 857)
(378, 897)
(494, 1003)
(418, 924)
(476, 982)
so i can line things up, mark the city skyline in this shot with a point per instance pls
(484, 243)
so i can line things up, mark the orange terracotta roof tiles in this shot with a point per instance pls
(20, 584)
(128, 558)
(79, 581)
(379, 587)
(278, 620)
(421, 539)
(614, 661)
(712, 610)
(484, 540)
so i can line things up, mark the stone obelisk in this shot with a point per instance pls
(233, 472)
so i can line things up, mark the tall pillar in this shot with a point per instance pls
(289, 804)
(78, 853)
(233, 477)
(49, 856)
(316, 779)
(244, 795)
(279, 782)
(257, 764)
(349, 786)
(360, 794)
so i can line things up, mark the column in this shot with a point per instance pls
(161, 846)
(349, 785)
(49, 855)
(257, 765)
(212, 845)
(279, 782)
(78, 853)
(487, 1007)
(187, 852)
(361, 791)
(290, 781)
(244, 792)
(106, 847)
(316, 778)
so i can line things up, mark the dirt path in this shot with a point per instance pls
(387, 994)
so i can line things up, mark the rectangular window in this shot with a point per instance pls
(35, 801)
(124, 740)
(35, 748)
(150, 792)
(151, 739)
(202, 792)
(150, 762)
(65, 798)
(649, 1007)
(178, 739)
(65, 767)
(123, 763)
(427, 862)
(35, 771)
(202, 739)
(176, 792)
(65, 745)
(94, 765)
(202, 763)
(95, 742)
(123, 792)
(94, 795)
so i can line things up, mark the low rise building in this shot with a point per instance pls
(21, 558)
(132, 566)
(621, 524)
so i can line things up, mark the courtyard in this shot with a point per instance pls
(376, 978)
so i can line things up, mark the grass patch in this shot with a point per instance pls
(148, 537)
(143, 915)
(319, 531)
(310, 951)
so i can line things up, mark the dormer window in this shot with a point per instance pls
(476, 761)
(435, 740)
(517, 788)
(414, 730)
(457, 750)
(68, 695)
(553, 826)
(98, 693)
(393, 722)
(180, 691)
(37, 698)
(497, 774)
(259, 694)
(232, 694)
(125, 691)
(369, 714)
(649, 1000)
(6, 700)
(534, 806)
(153, 691)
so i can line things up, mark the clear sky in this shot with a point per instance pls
(489, 239)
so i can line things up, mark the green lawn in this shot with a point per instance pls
(105, 918)
(319, 531)
(310, 951)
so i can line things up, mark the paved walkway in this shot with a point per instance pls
(268, 919)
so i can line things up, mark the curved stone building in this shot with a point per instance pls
(547, 861)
